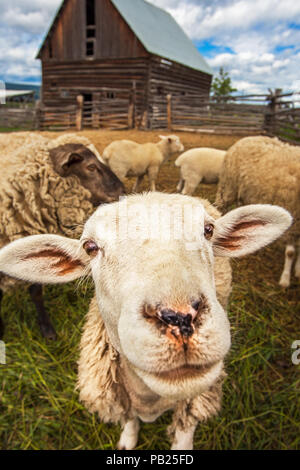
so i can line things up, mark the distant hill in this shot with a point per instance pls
(24, 86)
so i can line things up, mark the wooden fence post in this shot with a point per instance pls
(270, 116)
(38, 112)
(131, 107)
(96, 111)
(79, 113)
(169, 111)
(130, 115)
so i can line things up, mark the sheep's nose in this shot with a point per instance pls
(183, 321)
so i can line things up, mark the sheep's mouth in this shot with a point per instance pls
(183, 373)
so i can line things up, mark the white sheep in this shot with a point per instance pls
(49, 186)
(199, 165)
(157, 332)
(264, 170)
(128, 158)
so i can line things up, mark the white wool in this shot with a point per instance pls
(128, 158)
(199, 165)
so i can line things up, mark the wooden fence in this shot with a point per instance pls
(56, 119)
(274, 114)
(17, 117)
(111, 109)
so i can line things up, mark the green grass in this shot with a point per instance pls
(289, 133)
(39, 408)
(12, 129)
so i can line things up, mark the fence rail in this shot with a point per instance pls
(274, 114)
(11, 118)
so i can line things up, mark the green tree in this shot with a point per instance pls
(221, 86)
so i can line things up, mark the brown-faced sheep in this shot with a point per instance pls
(157, 331)
(265, 170)
(49, 186)
(127, 158)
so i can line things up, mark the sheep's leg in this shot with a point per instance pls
(152, 175)
(36, 294)
(180, 185)
(189, 187)
(285, 278)
(184, 439)
(297, 265)
(137, 183)
(1, 321)
(130, 435)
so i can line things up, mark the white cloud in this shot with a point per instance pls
(252, 39)
(255, 33)
(23, 24)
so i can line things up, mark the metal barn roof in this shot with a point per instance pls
(160, 34)
(157, 31)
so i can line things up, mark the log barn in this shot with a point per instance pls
(117, 52)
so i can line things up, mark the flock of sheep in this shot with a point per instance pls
(157, 332)
(256, 170)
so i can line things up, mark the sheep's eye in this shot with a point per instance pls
(92, 167)
(208, 231)
(91, 248)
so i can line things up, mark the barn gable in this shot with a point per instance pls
(124, 28)
(160, 34)
(71, 37)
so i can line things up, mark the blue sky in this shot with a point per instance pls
(256, 41)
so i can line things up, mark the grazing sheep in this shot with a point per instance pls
(127, 158)
(157, 332)
(49, 186)
(196, 165)
(265, 170)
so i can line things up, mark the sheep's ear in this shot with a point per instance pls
(249, 228)
(44, 259)
(63, 157)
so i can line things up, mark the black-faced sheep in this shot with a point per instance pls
(264, 170)
(127, 158)
(49, 186)
(157, 332)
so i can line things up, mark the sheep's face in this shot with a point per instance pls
(78, 160)
(152, 259)
(172, 144)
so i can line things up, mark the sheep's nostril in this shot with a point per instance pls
(196, 304)
(182, 321)
(169, 317)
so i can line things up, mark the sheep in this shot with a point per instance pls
(127, 158)
(196, 165)
(49, 186)
(157, 332)
(265, 170)
(14, 140)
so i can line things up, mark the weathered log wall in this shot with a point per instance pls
(63, 82)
